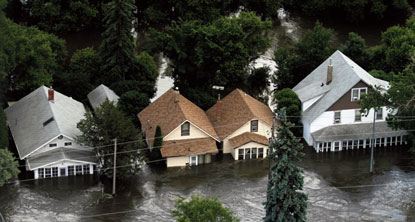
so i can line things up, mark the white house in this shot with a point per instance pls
(330, 110)
(243, 125)
(43, 126)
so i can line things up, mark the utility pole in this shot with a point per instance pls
(114, 170)
(373, 140)
(270, 147)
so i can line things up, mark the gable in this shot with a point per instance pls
(194, 133)
(345, 102)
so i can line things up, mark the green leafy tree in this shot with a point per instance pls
(118, 61)
(64, 16)
(296, 61)
(257, 83)
(131, 103)
(124, 86)
(285, 201)
(355, 48)
(155, 153)
(202, 209)
(100, 129)
(8, 166)
(287, 99)
(202, 55)
(400, 97)
(4, 132)
(82, 72)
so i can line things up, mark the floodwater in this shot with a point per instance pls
(338, 185)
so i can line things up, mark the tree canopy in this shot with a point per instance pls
(100, 129)
(4, 131)
(202, 209)
(285, 201)
(8, 166)
(203, 55)
(287, 99)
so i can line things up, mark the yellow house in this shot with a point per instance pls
(188, 136)
(243, 125)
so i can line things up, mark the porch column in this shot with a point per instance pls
(317, 147)
(36, 174)
(386, 141)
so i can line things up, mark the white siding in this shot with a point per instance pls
(306, 133)
(59, 143)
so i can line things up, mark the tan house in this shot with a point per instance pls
(243, 125)
(188, 136)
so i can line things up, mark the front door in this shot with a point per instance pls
(63, 172)
(193, 160)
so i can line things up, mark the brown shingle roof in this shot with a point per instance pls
(169, 114)
(188, 147)
(247, 137)
(236, 109)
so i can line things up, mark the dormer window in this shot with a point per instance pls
(357, 93)
(254, 126)
(53, 145)
(186, 129)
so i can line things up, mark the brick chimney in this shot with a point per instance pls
(51, 95)
(329, 73)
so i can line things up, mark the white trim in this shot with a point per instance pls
(78, 161)
(189, 128)
(358, 94)
(41, 146)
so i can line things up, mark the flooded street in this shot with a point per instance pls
(338, 185)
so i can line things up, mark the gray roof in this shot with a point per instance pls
(346, 74)
(27, 119)
(355, 132)
(60, 154)
(97, 96)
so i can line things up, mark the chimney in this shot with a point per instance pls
(176, 95)
(51, 95)
(219, 110)
(329, 73)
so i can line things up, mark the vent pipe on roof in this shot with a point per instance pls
(329, 73)
(51, 95)
(176, 95)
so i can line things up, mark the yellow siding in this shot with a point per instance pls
(195, 133)
(177, 161)
(263, 129)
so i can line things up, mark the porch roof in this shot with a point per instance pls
(61, 154)
(172, 148)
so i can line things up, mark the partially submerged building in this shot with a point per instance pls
(43, 126)
(331, 115)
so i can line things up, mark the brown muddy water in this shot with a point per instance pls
(338, 185)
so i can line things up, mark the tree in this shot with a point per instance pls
(64, 16)
(202, 55)
(4, 131)
(8, 166)
(155, 153)
(118, 61)
(257, 83)
(297, 61)
(287, 99)
(124, 86)
(202, 209)
(400, 97)
(100, 129)
(81, 76)
(355, 48)
(133, 102)
(285, 201)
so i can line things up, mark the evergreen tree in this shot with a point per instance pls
(8, 166)
(4, 133)
(288, 99)
(285, 201)
(100, 129)
(158, 143)
(118, 61)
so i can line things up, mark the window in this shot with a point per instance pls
(47, 173)
(357, 93)
(260, 152)
(53, 145)
(54, 171)
(254, 153)
(78, 170)
(344, 145)
(41, 173)
(336, 146)
(379, 113)
(361, 144)
(68, 143)
(357, 115)
(355, 142)
(337, 117)
(186, 129)
(247, 153)
(240, 154)
(86, 168)
(254, 126)
(71, 170)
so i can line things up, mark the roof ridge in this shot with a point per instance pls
(243, 95)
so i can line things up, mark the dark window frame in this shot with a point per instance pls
(254, 128)
(185, 132)
(53, 145)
